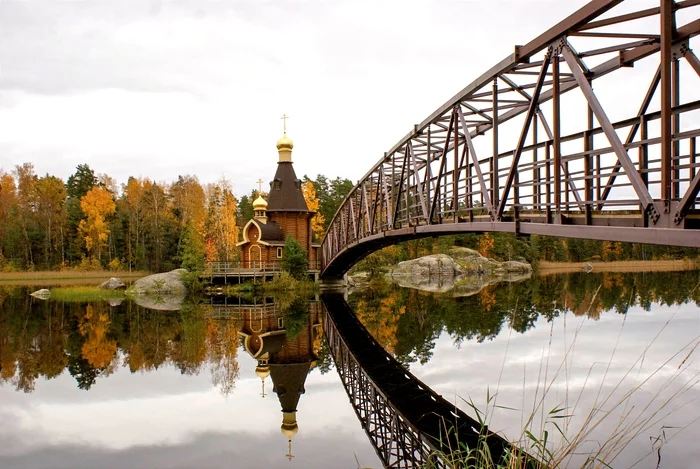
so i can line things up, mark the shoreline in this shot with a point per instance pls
(552, 268)
(68, 277)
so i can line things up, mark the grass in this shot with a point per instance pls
(63, 277)
(662, 265)
(627, 406)
(84, 294)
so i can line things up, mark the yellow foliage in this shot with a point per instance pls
(98, 350)
(313, 204)
(486, 244)
(97, 205)
(221, 229)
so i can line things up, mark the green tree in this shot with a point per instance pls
(78, 184)
(192, 250)
(294, 260)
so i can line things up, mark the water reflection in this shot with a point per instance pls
(191, 382)
(285, 343)
(408, 322)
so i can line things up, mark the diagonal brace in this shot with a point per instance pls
(644, 198)
(472, 153)
(523, 134)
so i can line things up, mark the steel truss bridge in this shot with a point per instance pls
(408, 423)
(530, 147)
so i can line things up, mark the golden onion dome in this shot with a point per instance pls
(285, 143)
(262, 371)
(289, 430)
(259, 203)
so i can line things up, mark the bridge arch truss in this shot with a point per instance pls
(530, 147)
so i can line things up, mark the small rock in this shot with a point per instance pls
(113, 283)
(115, 301)
(43, 294)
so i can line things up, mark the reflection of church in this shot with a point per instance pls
(285, 213)
(287, 361)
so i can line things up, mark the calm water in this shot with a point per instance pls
(102, 386)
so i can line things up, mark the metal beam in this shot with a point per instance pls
(619, 149)
(523, 135)
(485, 199)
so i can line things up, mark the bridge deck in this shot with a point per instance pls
(435, 423)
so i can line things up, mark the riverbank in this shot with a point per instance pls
(552, 268)
(64, 277)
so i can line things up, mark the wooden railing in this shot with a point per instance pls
(261, 267)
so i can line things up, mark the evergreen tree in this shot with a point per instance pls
(294, 260)
(192, 250)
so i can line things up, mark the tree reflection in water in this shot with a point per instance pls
(43, 338)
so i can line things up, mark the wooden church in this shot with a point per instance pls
(285, 213)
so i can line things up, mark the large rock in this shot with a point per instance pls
(440, 265)
(43, 294)
(463, 272)
(167, 283)
(113, 283)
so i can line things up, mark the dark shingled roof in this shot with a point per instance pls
(270, 231)
(285, 191)
(288, 381)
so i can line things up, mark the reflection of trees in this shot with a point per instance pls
(44, 339)
(407, 322)
(223, 352)
(99, 350)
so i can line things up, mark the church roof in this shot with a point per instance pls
(270, 231)
(285, 191)
(288, 381)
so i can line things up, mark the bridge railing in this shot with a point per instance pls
(516, 150)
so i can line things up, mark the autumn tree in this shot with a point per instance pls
(221, 227)
(97, 205)
(486, 244)
(52, 216)
(330, 193)
(9, 244)
(317, 222)
(26, 208)
(77, 185)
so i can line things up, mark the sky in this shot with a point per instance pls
(159, 89)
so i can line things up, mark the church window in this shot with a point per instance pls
(279, 253)
(276, 184)
(280, 323)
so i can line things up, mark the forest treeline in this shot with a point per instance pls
(91, 222)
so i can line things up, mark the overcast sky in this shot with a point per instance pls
(162, 88)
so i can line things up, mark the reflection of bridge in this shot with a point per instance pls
(406, 421)
(634, 179)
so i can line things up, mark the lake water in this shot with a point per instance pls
(110, 386)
